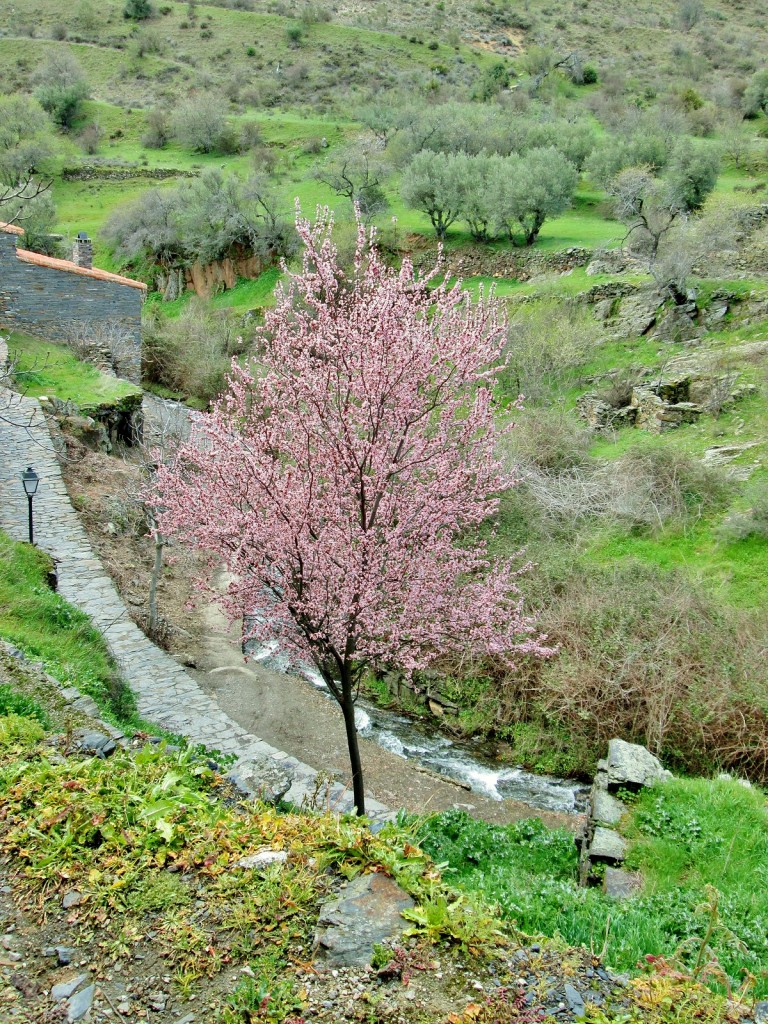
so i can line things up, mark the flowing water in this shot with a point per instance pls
(462, 762)
(456, 760)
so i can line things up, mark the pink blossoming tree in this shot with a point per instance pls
(341, 475)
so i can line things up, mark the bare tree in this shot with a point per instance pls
(16, 195)
(155, 445)
(358, 175)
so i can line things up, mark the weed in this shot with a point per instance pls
(15, 703)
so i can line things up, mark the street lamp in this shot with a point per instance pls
(30, 479)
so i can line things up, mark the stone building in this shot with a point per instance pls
(57, 299)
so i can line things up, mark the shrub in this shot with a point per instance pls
(61, 87)
(138, 10)
(158, 129)
(547, 340)
(191, 353)
(645, 656)
(549, 440)
(201, 124)
(589, 74)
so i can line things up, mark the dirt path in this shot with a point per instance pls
(292, 715)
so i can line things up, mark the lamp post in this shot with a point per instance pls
(30, 479)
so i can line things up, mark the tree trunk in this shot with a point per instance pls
(348, 710)
(154, 579)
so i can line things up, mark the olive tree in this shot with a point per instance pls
(27, 140)
(538, 185)
(431, 183)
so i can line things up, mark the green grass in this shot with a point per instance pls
(332, 59)
(48, 629)
(685, 836)
(43, 368)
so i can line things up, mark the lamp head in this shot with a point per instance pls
(30, 479)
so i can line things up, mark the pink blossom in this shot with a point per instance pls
(343, 473)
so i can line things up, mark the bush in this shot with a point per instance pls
(589, 74)
(646, 657)
(61, 87)
(201, 124)
(753, 522)
(158, 129)
(138, 10)
(547, 340)
(191, 353)
(549, 440)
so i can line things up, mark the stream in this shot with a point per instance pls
(460, 761)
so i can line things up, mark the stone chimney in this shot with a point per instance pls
(82, 251)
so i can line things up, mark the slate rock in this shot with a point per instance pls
(574, 999)
(71, 899)
(65, 989)
(631, 765)
(621, 884)
(80, 1004)
(607, 845)
(366, 913)
(262, 778)
(606, 808)
(761, 1012)
(64, 955)
(97, 743)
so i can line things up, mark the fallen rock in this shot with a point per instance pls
(71, 899)
(263, 779)
(365, 914)
(631, 765)
(80, 1004)
(65, 989)
(263, 858)
(575, 1001)
(606, 809)
(97, 743)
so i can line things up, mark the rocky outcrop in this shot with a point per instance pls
(208, 279)
(683, 394)
(627, 768)
(518, 265)
(99, 426)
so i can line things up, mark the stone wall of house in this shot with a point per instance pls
(48, 299)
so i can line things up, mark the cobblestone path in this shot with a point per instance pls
(165, 693)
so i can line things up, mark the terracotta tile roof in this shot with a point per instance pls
(66, 265)
(71, 268)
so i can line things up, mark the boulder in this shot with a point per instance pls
(636, 314)
(368, 912)
(262, 779)
(632, 766)
(87, 432)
